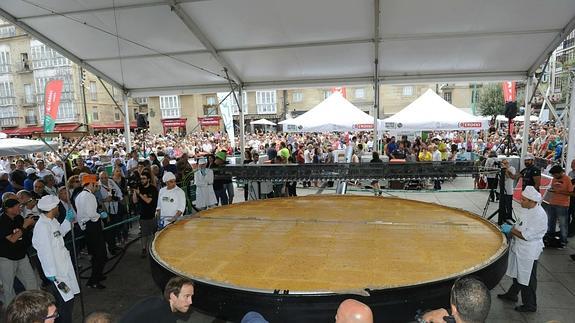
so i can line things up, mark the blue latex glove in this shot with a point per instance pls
(104, 215)
(51, 278)
(506, 228)
(70, 215)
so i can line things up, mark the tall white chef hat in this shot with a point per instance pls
(531, 193)
(48, 202)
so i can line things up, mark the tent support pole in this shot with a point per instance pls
(241, 111)
(376, 75)
(127, 135)
(571, 129)
(527, 120)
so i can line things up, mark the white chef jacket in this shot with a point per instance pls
(87, 208)
(533, 225)
(171, 201)
(205, 195)
(48, 240)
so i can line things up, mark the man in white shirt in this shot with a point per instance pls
(133, 162)
(89, 221)
(171, 201)
(41, 169)
(58, 171)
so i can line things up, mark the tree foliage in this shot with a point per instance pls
(491, 101)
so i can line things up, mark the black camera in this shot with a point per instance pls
(134, 180)
(113, 194)
(63, 287)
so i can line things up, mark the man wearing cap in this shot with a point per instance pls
(48, 240)
(16, 238)
(530, 175)
(526, 246)
(204, 180)
(171, 200)
(30, 178)
(89, 221)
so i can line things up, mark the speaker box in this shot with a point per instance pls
(510, 109)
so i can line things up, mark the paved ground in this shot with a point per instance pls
(131, 281)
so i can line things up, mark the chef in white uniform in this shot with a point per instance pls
(526, 246)
(48, 240)
(171, 201)
(204, 180)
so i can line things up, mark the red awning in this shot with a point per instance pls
(28, 131)
(66, 127)
(113, 125)
(178, 122)
(10, 132)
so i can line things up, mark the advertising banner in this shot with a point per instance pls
(52, 95)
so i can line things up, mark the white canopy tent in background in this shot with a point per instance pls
(18, 146)
(432, 112)
(333, 114)
(264, 122)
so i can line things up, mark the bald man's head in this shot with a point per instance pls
(352, 311)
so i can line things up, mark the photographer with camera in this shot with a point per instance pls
(48, 240)
(145, 197)
(507, 194)
(111, 197)
(492, 180)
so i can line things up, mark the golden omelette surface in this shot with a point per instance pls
(328, 243)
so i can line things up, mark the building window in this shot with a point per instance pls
(7, 31)
(7, 97)
(230, 101)
(359, 93)
(95, 114)
(447, 96)
(474, 96)
(326, 94)
(45, 57)
(266, 102)
(297, 97)
(408, 90)
(4, 61)
(210, 110)
(93, 91)
(117, 116)
(30, 117)
(170, 106)
(211, 100)
(28, 93)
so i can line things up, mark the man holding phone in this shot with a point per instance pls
(16, 238)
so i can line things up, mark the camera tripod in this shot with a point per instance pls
(502, 192)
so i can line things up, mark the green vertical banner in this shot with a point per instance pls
(52, 95)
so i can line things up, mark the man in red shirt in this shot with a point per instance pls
(556, 203)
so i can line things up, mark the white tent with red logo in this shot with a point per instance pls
(432, 112)
(333, 114)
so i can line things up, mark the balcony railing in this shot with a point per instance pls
(7, 100)
(24, 67)
(7, 31)
(28, 102)
(9, 121)
(31, 120)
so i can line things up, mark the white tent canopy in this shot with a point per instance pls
(333, 114)
(151, 47)
(432, 112)
(264, 122)
(18, 146)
